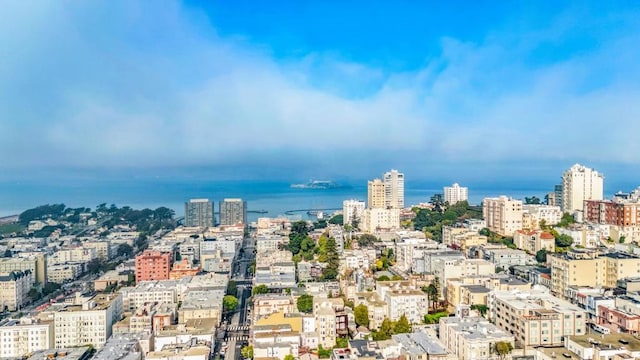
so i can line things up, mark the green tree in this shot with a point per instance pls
(247, 352)
(434, 318)
(324, 353)
(337, 219)
(481, 308)
(260, 289)
(341, 343)
(566, 220)
(300, 227)
(383, 278)
(622, 239)
(232, 288)
(125, 250)
(502, 348)
(563, 240)
(230, 302)
(402, 326)
(433, 292)
(289, 357)
(330, 272)
(361, 314)
(34, 294)
(532, 200)
(541, 256)
(366, 240)
(385, 331)
(50, 288)
(305, 303)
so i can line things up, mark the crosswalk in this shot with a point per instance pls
(238, 328)
(237, 338)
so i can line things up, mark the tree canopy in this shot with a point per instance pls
(366, 240)
(502, 348)
(230, 302)
(247, 352)
(361, 314)
(260, 289)
(402, 326)
(541, 256)
(305, 303)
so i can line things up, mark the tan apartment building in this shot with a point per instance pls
(589, 269)
(267, 304)
(502, 214)
(14, 289)
(462, 237)
(375, 194)
(36, 262)
(535, 317)
(533, 241)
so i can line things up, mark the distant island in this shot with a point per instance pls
(318, 184)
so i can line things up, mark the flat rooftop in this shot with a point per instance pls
(605, 342)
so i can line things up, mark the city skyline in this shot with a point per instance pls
(254, 91)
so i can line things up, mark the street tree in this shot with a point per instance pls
(230, 302)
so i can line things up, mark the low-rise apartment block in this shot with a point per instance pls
(62, 273)
(267, 304)
(587, 268)
(462, 236)
(21, 337)
(535, 317)
(149, 292)
(472, 338)
(538, 213)
(533, 241)
(411, 303)
(278, 275)
(87, 322)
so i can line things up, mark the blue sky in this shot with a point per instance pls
(454, 90)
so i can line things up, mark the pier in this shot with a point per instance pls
(310, 211)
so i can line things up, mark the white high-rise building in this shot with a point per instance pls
(352, 210)
(455, 193)
(394, 189)
(580, 183)
(502, 214)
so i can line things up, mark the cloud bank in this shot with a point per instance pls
(138, 85)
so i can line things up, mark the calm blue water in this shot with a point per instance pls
(275, 197)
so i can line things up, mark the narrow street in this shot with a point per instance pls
(235, 331)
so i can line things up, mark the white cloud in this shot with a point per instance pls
(158, 86)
